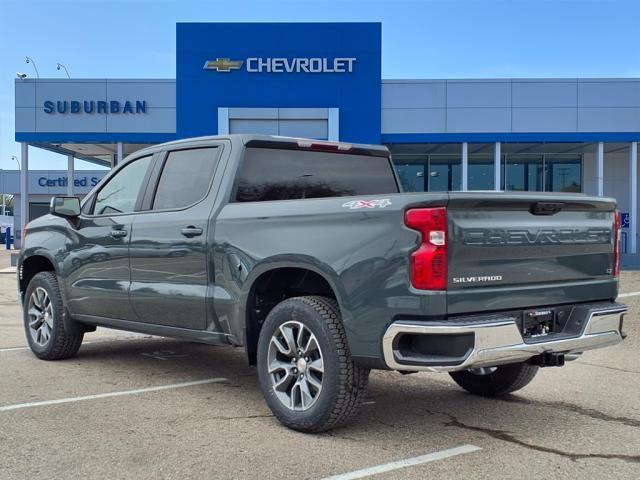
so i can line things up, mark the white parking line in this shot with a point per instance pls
(409, 462)
(15, 349)
(158, 388)
(630, 294)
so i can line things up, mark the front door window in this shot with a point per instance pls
(121, 192)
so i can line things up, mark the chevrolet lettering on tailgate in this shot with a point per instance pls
(482, 236)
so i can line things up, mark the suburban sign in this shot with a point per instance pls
(284, 65)
(94, 106)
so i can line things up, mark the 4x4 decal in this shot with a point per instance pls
(377, 203)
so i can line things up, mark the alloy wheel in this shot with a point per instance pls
(40, 311)
(295, 366)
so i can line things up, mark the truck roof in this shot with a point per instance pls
(277, 141)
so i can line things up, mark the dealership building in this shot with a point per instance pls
(323, 80)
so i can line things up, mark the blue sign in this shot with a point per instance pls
(279, 65)
(624, 220)
(62, 182)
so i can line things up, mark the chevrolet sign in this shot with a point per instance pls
(223, 64)
(284, 65)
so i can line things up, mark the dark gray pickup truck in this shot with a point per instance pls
(308, 255)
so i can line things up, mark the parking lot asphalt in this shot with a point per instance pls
(136, 406)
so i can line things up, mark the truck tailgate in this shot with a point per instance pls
(511, 250)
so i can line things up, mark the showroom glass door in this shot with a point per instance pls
(445, 173)
(412, 172)
(563, 173)
(480, 173)
(524, 172)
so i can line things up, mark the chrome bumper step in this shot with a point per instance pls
(499, 342)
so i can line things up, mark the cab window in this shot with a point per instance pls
(185, 178)
(120, 194)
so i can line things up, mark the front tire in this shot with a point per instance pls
(43, 320)
(306, 372)
(496, 381)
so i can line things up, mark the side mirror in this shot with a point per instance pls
(66, 207)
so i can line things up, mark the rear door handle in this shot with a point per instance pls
(118, 233)
(191, 231)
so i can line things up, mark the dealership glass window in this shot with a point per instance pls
(434, 167)
(428, 173)
(439, 165)
(185, 178)
(411, 171)
(523, 172)
(563, 173)
(37, 209)
(542, 172)
(271, 174)
(120, 193)
(445, 173)
(480, 172)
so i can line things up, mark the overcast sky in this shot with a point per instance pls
(420, 39)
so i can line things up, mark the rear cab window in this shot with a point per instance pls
(268, 174)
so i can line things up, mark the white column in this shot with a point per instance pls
(465, 166)
(633, 197)
(600, 169)
(333, 125)
(3, 201)
(223, 121)
(24, 194)
(496, 167)
(71, 175)
(119, 154)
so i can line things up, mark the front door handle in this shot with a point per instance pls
(191, 231)
(118, 233)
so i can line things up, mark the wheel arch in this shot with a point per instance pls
(32, 265)
(276, 282)
(39, 262)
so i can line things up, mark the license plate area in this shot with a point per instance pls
(538, 323)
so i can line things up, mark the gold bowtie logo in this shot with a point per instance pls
(223, 64)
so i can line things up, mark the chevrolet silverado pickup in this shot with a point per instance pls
(308, 255)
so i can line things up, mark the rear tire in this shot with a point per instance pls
(42, 312)
(306, 372)
(496, 381)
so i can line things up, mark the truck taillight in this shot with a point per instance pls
(429, 261)
(616, 246)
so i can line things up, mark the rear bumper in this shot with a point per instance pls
(497, 341)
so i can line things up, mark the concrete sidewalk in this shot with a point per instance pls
(6, 263)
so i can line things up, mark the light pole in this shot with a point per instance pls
(30, 60)
(62, 66)
(19, 168)
(4, 212)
